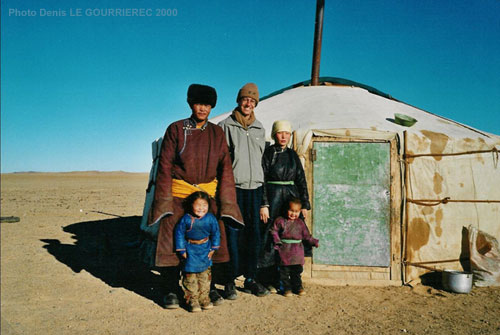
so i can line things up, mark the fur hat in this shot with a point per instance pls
(201, 94)
(281, 125)
(249, 90)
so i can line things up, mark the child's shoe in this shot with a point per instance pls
(301, 292)
(272, 289)
(287, 293)
(206, 306)
(194, 306)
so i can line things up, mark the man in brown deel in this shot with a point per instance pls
(194, 157)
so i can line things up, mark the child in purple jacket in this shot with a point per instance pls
(288, 235)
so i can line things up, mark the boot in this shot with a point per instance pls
(194, 306)
(251, 286)
(170, 301)
(230, 291)
(215, 297)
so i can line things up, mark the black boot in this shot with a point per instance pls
(215, 297)
(251, 286)
(170, 278)
(230, 291)
(170, 301)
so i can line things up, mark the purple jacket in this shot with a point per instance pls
(288, 236)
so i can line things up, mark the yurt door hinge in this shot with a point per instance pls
(313, 155)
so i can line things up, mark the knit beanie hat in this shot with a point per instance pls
(281, 125)
(249, 90)
(201, 94)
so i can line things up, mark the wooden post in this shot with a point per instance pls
(396, 220)
(406, 218)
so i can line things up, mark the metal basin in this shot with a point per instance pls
(457, 281)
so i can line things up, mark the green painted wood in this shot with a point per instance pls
(351, 209)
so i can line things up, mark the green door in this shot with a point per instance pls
(351, 213)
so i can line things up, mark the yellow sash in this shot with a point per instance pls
(182, 189)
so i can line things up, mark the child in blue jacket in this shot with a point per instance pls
(197, 237)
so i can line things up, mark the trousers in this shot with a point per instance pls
(290, 277)
(197, 286)
(245, 244)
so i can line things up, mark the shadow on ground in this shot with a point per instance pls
(434, 278)
(109, 250)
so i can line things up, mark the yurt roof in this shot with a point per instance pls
(343, 104)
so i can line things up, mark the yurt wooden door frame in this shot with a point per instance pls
(376, 260)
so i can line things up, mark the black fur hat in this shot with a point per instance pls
(201, 94)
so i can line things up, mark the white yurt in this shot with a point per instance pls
(393, 187)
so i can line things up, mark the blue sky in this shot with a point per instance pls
(91, 92)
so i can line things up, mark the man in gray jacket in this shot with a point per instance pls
(245, 136)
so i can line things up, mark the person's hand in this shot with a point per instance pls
(185, 255)
(264, 214)
(304, 213)
(210, 254)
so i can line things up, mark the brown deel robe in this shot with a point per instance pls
(195, 156)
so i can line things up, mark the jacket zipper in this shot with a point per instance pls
(249, 158)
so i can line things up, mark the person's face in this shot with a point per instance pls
(247, 105)
(200, 207)
(293, 211)
(201, 112)
(282, 138)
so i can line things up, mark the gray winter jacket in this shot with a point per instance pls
(246, 148)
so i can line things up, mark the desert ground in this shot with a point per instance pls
(70, 266)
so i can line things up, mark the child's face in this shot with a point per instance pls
(200, 207)
(282, 138)
(293, 211)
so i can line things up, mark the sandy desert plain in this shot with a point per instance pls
(69, 266)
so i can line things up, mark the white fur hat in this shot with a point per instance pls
(281, 125)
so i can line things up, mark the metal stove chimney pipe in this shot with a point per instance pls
(318, 32)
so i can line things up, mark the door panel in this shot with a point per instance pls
(351, 211)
